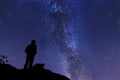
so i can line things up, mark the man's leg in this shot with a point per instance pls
(31, 61)
(26, 62)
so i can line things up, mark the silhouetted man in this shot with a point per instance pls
(30, 51)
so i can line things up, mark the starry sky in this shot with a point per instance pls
(94, 26)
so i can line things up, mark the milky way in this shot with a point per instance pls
(60, 14)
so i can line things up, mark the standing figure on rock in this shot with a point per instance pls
(30, 51)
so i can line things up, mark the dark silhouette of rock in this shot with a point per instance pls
(37, 72)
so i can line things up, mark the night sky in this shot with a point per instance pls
(76, 38)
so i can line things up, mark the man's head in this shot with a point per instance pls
(33, 42)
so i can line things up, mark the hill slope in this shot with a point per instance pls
(37, 72)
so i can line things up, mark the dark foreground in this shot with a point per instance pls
(37, 72)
